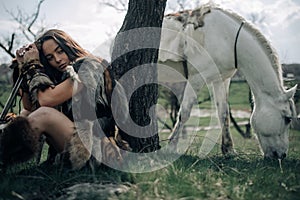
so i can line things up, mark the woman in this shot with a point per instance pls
(50, 67)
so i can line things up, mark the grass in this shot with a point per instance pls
(238, 96)
(243, 176)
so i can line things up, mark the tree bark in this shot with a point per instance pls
(143, 17)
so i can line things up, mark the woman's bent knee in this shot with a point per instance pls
(41, 111)
(39, 118)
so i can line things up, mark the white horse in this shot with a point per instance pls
(213, 44)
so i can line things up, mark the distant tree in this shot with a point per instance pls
(172, 6)
(26, 24)
(119, 5)
(28, 30)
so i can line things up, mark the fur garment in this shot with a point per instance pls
(18, 142)
(84, 145)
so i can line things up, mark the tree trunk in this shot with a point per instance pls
(136, 45)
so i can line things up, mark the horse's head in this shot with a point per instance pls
(271, 120)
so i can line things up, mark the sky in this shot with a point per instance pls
(92, 24)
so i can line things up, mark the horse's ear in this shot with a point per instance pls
(291, 92)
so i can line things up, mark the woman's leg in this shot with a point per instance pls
(54, 124)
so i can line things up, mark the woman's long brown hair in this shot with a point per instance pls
(68, 45)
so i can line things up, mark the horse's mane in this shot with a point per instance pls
(271, 52)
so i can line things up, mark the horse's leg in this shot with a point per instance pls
(188, 100)
(221, 100)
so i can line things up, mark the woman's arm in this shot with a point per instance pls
(60, 93)
(27, 105)
(89, 77)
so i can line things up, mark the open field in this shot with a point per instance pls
(243, 176)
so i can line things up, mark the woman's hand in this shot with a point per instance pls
(27, 53)
(10, 117)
